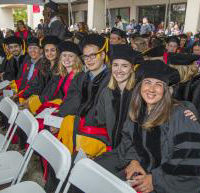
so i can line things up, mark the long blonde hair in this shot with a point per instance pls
(130, 84)
(187, 72)
(77, 67)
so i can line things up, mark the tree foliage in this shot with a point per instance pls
(20, 14)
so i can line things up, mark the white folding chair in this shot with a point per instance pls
(54, 152)
(4, 84)
(91, 177)
(11, 161)
(10, 110)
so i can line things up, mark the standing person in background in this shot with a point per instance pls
(53, 24)
(153, 28)
(41, 24)
(170, 29)
(22, 31)
(161, 27)
(145, 28)
(118, 23)
(82, 27)
(11, 65)
(131, 26)
(190, 40)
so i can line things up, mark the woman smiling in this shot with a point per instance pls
(159, 143)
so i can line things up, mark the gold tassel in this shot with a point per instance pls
(136, 67)
(8, 55)
(24, 47)
(106, 48)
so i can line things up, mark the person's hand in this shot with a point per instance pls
(134, 167)
(1, 76)
(190, 114)
(15, 98)
(54, 130)
(143, 183)
(25, 104)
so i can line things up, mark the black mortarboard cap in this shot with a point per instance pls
(70, 47)
(80, 35)
(13, 40)
(52, 5)
(118, 32)
(50, 40)
(33, 41)
(159, 70)
(181, 58)
(68, 35)
(93, 39)
(173, 39)
(155, 52)
(122, 51)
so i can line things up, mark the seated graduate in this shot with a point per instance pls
(196, 48)
(186, 64)
(29, 70)
(113, 104)
(11, 65)
(172, 45)
(158, 149)
(84, 91)
(48, 67)
(78, 108)
(56, 90)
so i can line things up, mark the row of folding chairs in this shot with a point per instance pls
(86, 174)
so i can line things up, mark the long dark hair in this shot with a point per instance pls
(158, 115)
(46, 65)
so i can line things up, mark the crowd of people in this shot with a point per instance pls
(129, 101)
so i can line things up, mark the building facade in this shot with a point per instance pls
(185, 12)
(97, 13)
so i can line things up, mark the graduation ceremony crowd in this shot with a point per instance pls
(131, 103)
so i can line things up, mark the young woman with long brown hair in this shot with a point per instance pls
(55, 91)
(158, 151)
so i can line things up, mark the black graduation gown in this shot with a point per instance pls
(169, 152)
(50, 92)
(38, 84)
(12, 67)
(188, 91)
(22, 81)
(111, 112)
(83, 95)
(57, 28)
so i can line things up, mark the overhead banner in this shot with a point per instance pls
(36, 8)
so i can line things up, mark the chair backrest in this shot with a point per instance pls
(56, 154)
(27, 123)
(9, 109)
(91, 177)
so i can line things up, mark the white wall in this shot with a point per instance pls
(96, 14)
(6, 16)
(34, 18)
(192, 19)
